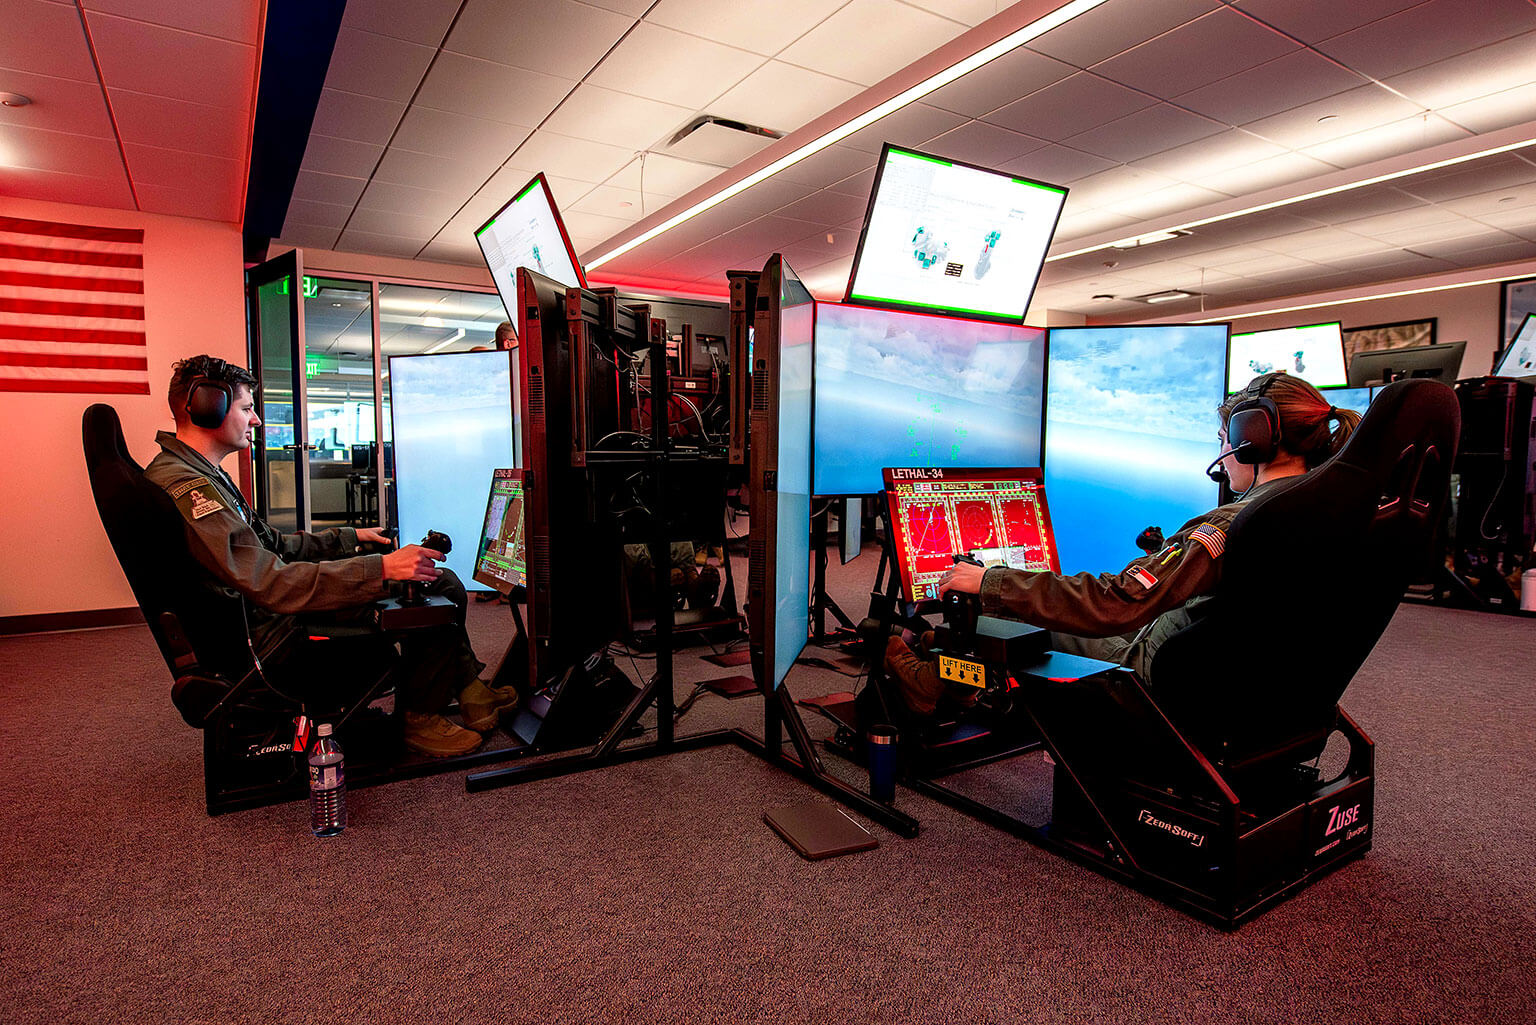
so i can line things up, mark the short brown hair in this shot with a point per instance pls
(1304, 415)
(187, 372)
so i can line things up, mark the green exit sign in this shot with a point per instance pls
(317, 364)
(311, 286)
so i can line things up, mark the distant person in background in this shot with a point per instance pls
(284, 577)
(506, 337)
(1124, 617)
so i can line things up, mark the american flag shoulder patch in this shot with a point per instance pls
(1142, 577)
(1212, 538)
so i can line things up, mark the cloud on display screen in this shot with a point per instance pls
(905, 389)
(1130, 426)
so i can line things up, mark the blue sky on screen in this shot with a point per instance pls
(1156, 380)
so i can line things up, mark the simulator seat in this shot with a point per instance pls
(247, 714)
(1201, 789)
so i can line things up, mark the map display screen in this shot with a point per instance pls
(997, 516)
(952, 238)
(501, 562)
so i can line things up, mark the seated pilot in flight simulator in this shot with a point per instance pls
(1123, 617)
(320, 576)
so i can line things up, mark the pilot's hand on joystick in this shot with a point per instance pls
(1150, 540)
(964, 577)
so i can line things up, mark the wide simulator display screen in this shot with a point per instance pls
(451, 414)
(906, 389)
(953, 238)
(528, 232)
(998, 516)
(1314, 353)
(501, 561)
(1130, 427)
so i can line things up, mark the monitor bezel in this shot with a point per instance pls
(565, 237)
(1034, 474)
(496, 584)
(1343, 353)
(943, 311)
(1045, 359)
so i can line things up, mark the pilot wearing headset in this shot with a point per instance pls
(286, 575)
(1276, 427)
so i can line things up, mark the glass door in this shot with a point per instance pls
(276, 316)
(341, 410)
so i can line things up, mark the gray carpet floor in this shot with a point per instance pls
(654, 892)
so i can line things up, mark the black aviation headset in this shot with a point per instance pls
(209, 399)
(1253, 430)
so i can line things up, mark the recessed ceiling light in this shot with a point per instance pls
(1166, 297)
(1147, 240)
(14, 100)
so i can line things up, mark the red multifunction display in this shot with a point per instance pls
(998, 516)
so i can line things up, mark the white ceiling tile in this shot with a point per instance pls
(1060, 165)
(611, 201)
(661, 176)
(497, 92)
(1144, 133)
(664, 65)
(712, 142)
(1285, 82)
(235, 20)
(860, 184)
(156, 166)
(1205, 157)
(578, 159)
(1161, 203)
(556, 37)
(592, 112)
(183, 125)
(904, 33)
(743, 25)
(589, 224)
(1348, 113)
(633, 8)
(60, 187)
(567, 191)
(971, 12)
(1390, 140)
(1089, 222)
(389, 222)
(473, 140)
(206, 70)
(381, 245)
(201, 202)
(430, 171)
(829, 166)
(441, 251)
(1476, 233)
(86, 155)
(45, 39)
(1208, 49)
(782, 97)
(345, 157)
(1378, 225)
(1313, 22)
(1325, 245)
(367, 119)
(1427, 33)
(1265, 174)
(419, 21)
(389, 197)
(1114, 185)
(999, 82)
(378, 66)
(827, 208)
(317, 215)
(1491, 69)
(1069, 107)
(980, 143)
(912, 125)
(306, 236)
(1490, 113)
(58, 105)
(328, 188)
(1110, 28)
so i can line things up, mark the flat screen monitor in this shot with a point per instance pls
(947, 237)
(779, 578)
(909, 389)
(1314, 353)
(1520, 357)
(1383, 366)
(1130, 427)
(501, 561)
(997, 516)
(528, 232)
(451, 415)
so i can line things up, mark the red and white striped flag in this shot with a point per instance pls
(71, 308)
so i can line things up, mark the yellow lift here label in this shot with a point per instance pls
(958, 670)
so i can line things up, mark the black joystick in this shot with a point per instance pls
(1150, 540)
(415, 590)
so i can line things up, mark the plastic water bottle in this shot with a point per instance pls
(327, 785)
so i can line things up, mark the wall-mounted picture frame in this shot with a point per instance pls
(1516, 299)
(1400, 335)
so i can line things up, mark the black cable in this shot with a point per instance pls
(1482, 526)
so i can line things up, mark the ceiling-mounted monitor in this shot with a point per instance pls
(528, 232)
(1519, 358)
(1314, 353)
(945, 237)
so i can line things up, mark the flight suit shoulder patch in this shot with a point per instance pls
(182, 487)
(1210, 537)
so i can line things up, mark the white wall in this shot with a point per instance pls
(55, 557)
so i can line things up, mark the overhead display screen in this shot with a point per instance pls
(952, 238)
(528, 232)
(1130, 427)
(502, 560)
(452, 421)
(1520, 358)
(908, 389)
(997, 516)
(1314, 353)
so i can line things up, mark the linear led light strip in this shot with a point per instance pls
(1357, 299)
(1013, 41)
(1171, 233)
